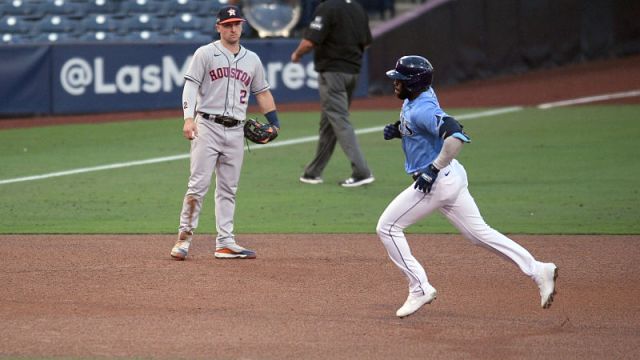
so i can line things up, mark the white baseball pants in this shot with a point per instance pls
(451, 196)
(220, 149)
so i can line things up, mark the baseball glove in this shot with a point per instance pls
(258, 132)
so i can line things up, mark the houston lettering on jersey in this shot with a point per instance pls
(233, 73)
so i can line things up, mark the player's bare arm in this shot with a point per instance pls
(267, 106)
(450, 149)
(303, 48)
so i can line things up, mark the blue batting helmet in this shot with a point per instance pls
(415, 71)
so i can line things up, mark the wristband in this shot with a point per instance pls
(272, 118)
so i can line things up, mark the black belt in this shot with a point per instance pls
(225, 121)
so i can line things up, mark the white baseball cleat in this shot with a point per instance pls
(233, 251)
(181, 248)
(546, 280)
(415, 302)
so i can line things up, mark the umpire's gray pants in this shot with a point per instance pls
(335, 95)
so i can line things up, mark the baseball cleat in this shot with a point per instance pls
(234, 251)
(181, 248)
(311, 180)
(415, 302)
(546, 281)
(353, 182)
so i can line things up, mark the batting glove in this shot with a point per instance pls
(425, 180)
(392, 131)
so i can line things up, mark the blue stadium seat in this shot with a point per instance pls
(132, 7)
(24, 9)
(54, 37)
(175, 7)
(185, 21)
(143, 36)
(109, 7)
(101, 22)
(100, 36)
(14, 38)
(55, 24)
(59, 7)
(191, 36)
(14, 25)
(207, 8)
(208, 24)
(141, 22)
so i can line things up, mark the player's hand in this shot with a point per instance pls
(425, 180)
(392, 131)
(190, 129)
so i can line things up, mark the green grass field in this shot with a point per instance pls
(559, 171)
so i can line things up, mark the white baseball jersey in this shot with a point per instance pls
(225, 80)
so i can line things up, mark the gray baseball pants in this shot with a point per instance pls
(335, 95)
(220, 149)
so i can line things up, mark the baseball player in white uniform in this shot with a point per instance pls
(221, 77)
(431, 139)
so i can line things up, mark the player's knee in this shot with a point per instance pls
(386, 230)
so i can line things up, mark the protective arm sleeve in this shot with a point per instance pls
(189, 96)
(450, 149)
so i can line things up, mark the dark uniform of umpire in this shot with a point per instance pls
(338, 34)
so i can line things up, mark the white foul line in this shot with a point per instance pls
(95, 168)
(589, 99)
(315, 138)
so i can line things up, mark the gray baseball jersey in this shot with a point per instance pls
(225, 80)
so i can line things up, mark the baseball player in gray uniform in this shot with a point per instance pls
(431, 140)
(221, 77)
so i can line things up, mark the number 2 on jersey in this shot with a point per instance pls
(243, 96)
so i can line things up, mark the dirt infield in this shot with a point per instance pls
(312, 297)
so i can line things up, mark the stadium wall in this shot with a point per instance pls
(63, 79)
(476, 39)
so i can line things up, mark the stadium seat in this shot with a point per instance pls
(141, 22)
(143, 36)
(175, 7)
(207, 24)
(14, 25)
(183, 22)
(133, 7)
(25, 9)
(54, 37)
(55, 24)
(100, 36)
(108, 7)
(59, 7)
(101, 22)
(207, 8)
(191, 36)
(14, 38)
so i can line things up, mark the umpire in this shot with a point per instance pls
(338, 34)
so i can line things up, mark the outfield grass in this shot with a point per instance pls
(565, 170)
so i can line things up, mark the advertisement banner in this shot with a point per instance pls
(92, 78)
